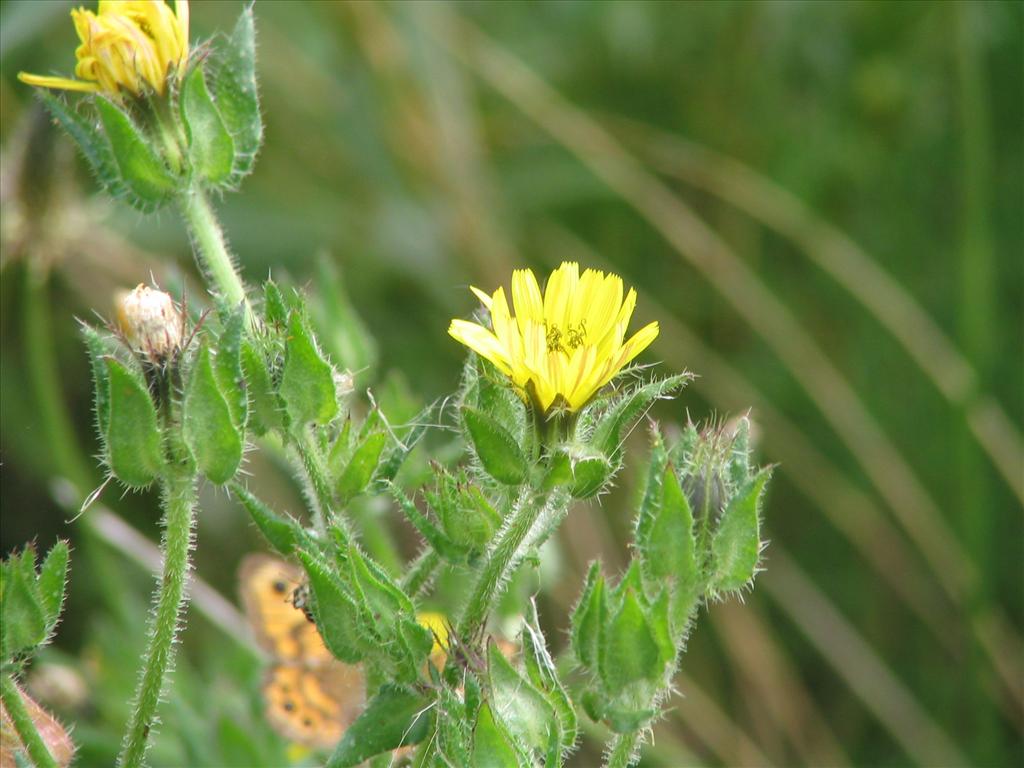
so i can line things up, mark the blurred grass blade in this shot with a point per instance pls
(866, 280)
(855, 661)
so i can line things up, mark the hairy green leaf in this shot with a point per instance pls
(492, 746)
(94, 147)
(522, 708)
(228, 365)
(307, 383)
(22, 614)
(209, 430)
(736, 545)
(237, 98)
(589, 616)
(397, 716)
(629, 652)
(134, 446)
(211, 150)
(360, 468)
(52, 580)
(282, 533)
(266, 405)
(498, 452)
(141, 167)
(624, 412)
(337, 616)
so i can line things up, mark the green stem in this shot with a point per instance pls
(500, 564)
(318, 488)
(421, 571)
(211, 248)
(179, 496)
(624, 750)
(23, 724)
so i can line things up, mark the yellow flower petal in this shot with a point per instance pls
(64, 83)
(526, 298)
(481, 341)
(484, 298)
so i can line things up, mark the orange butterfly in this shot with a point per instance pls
(310, 696)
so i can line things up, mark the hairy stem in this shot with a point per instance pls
(318, 487)
(211, 248)
(624, 750)
(179, 497)
(29, 736)
(421, 571)
(500, 563)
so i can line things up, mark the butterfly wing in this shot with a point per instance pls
(313, 705)
(310, 696)
(267, 584)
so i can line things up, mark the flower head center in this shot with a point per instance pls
(565, 341)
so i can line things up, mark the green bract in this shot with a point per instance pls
(211, 150)
(133, 440)
(236, 96)
(142, 170)
(30, 601)
(307, 381)
(210, 432)
(498, 451)
(395, 717)
(736, 546)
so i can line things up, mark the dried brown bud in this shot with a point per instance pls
(151, 322)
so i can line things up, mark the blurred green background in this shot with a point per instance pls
(820, 202)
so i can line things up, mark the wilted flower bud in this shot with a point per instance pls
(151, 322)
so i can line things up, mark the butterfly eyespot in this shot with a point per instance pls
(289, 706)
(307, 722)
(280, 587)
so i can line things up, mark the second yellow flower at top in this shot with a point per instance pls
(127, 45)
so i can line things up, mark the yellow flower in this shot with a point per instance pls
(126, 46)
(562, 346)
